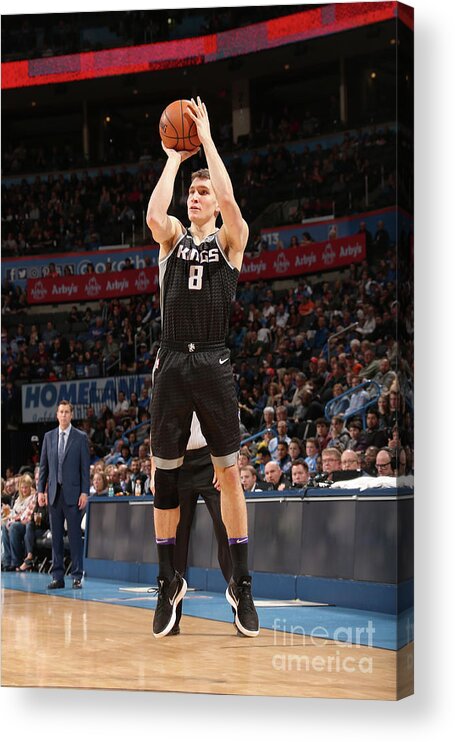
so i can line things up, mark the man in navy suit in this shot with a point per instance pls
(65, 469)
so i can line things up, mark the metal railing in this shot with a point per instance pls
(361, 411)
(107, 367)
(338, 334)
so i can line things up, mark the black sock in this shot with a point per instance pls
(165, 549)
(239, 555)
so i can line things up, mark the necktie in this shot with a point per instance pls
(61, 451)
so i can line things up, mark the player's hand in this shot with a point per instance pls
(82, 502)
(180, 156)
(216, 483)
(198, 112)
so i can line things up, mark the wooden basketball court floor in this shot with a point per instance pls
(71, 639)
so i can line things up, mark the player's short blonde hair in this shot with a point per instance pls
(202, 173)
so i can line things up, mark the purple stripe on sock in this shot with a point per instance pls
(238, 540)
(165, 541)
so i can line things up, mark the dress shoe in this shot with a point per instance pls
(77, 584)
(56, 584)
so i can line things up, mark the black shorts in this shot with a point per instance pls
(191, 378)
(196, 474)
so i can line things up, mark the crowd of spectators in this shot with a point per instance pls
(298, 392)
(119, 338)
(84, 211)
(282, 457)
(52, 34)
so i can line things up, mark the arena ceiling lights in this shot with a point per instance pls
(302, 26)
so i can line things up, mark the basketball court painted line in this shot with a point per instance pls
(259, 603)
(364, 628)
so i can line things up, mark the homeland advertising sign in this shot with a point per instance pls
(40, 401)
(92, 286)
(312, 258)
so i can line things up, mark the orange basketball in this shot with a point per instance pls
(177, 129)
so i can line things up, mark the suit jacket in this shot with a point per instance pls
(76, 466)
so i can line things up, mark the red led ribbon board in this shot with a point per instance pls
(319, 256)
(92, 286)
(313, 258)
(200, 49)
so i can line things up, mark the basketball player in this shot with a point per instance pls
(199, 269)
(196, 477)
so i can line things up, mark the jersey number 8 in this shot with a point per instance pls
(195, 277)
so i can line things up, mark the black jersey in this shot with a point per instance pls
(197, 287)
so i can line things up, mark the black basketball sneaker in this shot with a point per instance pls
(238, 595)
(170, 593)
(175, 631)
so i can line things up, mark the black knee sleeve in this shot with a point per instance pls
(166, 489)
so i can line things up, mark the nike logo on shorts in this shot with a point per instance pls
(223, 360)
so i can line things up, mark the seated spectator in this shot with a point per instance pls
(370, 461)
(143, 454)
(312, 453)
(371, 365)
(288, 389)
(112, 435)
(357, 400)
(146, 469)
(136, 476)
(249, 479)
(274, 394)
(275, 477)
(113, 478)
(396, 407)
(282, 415)
(144, 398)
(13, 528)
(295, 449)
(339, 436)
(262, 459)
(349, 461)
(306, 407)
(354, 427)
(331, 463)
(49, 334)
(300, 474)
(243, 459)
(385, 418)
(125, 455)
(281, 436)
(122, 406)
(93, 454)
(133, 442)
(338, 406)
(282, 457)
(385, 376)
(34, 528)
(100, 485)
(322, 433)
(372, 435)
(386, 463)
(269, 418)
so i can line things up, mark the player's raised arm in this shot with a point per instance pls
(234, 226)
(164, 228)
